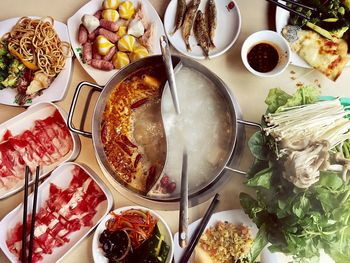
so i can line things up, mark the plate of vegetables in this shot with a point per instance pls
(331, 20)
(301, 176)
(132, 234)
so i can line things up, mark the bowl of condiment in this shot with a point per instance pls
(265, 53)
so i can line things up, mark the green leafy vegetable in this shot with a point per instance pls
(331, 19)
(260, 242)
(275, 99)
(296, 221)
(262, 179)
(304, 95)
(257, 145)
(278, 99)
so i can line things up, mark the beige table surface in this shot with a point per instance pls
(249, 90)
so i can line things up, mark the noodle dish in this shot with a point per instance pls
(31, 56)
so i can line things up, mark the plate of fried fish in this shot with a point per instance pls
(202, 29)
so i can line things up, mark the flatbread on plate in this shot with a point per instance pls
(328, 57)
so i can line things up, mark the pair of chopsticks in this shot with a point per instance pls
(25, 210)
(275, 2)
(199, 230)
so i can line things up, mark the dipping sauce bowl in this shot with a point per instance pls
(265, 53)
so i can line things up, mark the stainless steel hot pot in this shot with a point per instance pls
(197, 195)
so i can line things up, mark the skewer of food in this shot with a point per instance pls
(115, 35)
(31, 56)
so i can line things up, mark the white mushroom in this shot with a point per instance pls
(302, 167)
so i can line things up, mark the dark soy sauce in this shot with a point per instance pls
(263, 57)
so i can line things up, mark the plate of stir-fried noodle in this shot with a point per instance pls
(35, 60)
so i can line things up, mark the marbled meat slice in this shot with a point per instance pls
(5, 162)
(25, 150)
(44, 139)
(64, 212)
(12, 159)
(58, 133)
(39, 152)
(10, 166)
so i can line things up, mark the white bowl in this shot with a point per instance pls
(271, 37)
(164, 229)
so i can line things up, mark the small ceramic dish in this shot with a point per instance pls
(269, 39)
(164, 229)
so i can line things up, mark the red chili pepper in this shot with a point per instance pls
(124, 148)
(151, 177)
(138, 103)
(126, 140)
(104, 134)
(137, 159)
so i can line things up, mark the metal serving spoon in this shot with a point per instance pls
(164, 45)
(183, 218)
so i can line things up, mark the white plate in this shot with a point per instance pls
(100, 76)
(227, 31)
(57, 89)
(25, 121)
(236, 216)
(282, 17)
(98, 253)
(61, 177)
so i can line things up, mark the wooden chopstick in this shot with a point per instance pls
(32, 227)
(289, 9)
(199, 230)
(301, 5)
(25, 208)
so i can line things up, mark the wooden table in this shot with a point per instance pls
(249, 90)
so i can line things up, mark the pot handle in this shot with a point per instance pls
(247, 123)
(74, 103)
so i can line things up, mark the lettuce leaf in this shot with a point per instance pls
(277, 100)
